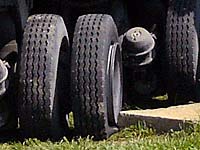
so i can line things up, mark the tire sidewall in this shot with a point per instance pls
(60, 34)
(110, 36)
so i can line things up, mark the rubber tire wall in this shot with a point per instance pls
(94, 33)
(39, 103)
(182, 49)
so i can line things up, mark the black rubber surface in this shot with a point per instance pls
(182, 49)
(39, 101)
(90, 83)
(87, 3)
(8, 53)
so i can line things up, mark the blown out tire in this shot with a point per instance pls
(45, 45)
(182, 49)
(96, 76)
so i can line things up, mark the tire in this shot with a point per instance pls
(41, 100)
(8, 53)
(96, 76)
(182, 49)
(8, 109)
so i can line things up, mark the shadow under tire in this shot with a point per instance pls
(96, 76)
(182, 49)
(39, 102)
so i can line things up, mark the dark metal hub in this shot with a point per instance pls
(139, 47)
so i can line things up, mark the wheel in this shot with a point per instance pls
(8, 54)
(41, 82)
(96, 76)
(8, 111)
(182, 49)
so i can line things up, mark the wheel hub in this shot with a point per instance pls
(114, 71)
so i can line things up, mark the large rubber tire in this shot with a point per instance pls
(96, 76)
(8, 53)
(8, 110)
(182, 49)
(41, 100)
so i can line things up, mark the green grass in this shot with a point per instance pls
(133, 138)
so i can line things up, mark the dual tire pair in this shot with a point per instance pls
(96, 72)
(53, 80)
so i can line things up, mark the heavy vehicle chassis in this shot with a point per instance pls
(92, 58)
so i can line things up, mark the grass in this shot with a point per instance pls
(136, 137)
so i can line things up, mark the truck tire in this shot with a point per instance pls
(96, 76)
(182, 49)
(41, 100)
(8, 109)
(8, 53)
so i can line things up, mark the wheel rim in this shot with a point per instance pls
(115, 78)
